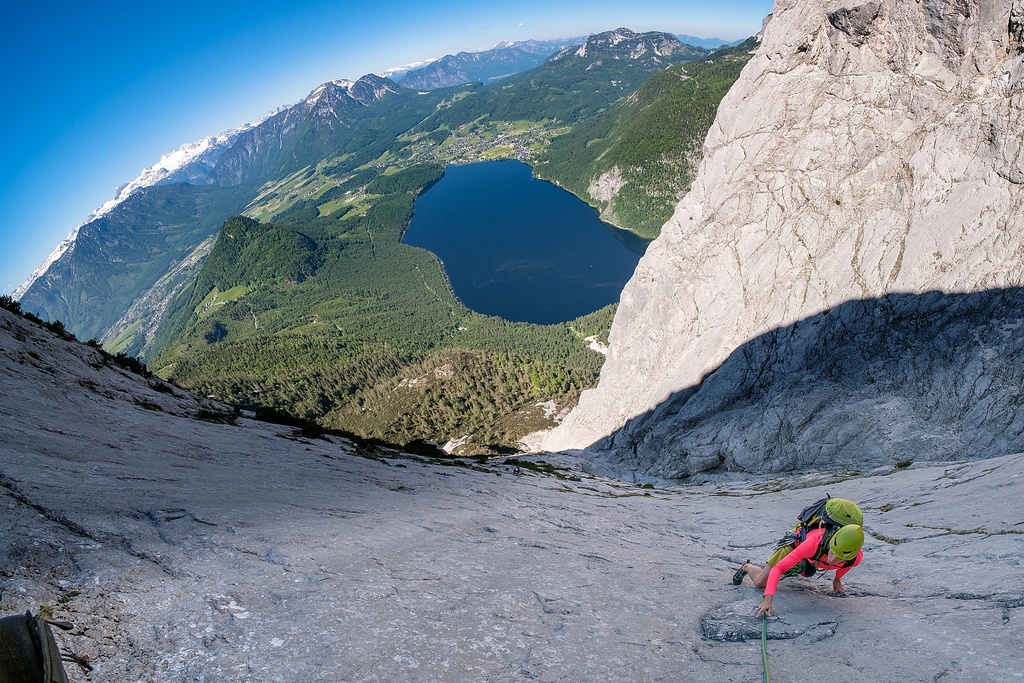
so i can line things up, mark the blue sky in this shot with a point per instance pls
(95, 92)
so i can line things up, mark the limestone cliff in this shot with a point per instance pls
(841, 285)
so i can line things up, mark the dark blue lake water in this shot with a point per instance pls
(520, 248)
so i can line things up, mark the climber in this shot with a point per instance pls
(828, 537)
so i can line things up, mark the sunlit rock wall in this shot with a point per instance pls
(867, 150)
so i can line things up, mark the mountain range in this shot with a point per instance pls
(193, 162)
(502, 61)
(252, 154)
(338, 172)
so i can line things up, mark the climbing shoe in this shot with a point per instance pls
(737, 578)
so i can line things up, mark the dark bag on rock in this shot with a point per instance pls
(28, 651)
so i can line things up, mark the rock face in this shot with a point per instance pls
(187, 549)
(848, 260)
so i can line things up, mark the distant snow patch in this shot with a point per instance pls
(169, 168)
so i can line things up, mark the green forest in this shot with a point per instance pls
(335, 321)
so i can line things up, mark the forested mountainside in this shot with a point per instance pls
(635, 160)
(323, 313)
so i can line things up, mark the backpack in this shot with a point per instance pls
(830, 513)
(28, 651)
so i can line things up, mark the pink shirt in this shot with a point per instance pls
(806, 551)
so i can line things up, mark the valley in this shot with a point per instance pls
(322, 313)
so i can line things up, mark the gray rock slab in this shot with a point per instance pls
(186, 550)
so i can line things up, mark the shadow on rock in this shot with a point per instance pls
(866, 384)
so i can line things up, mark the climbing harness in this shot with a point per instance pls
(764, 646)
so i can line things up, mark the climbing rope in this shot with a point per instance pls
(764, 646)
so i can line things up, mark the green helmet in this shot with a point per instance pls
(847, 541)
(843, 511)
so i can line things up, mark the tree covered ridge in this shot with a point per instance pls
(652, 141)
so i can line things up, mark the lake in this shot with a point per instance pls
(521, 248)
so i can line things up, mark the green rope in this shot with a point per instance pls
(764, 646)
